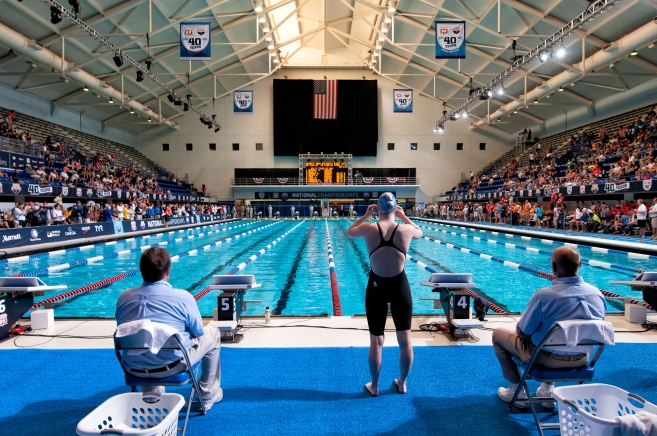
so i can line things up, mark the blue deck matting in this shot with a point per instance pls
(319, 391)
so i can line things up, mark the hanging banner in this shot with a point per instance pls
(402, 100)
(450, 39)
(243, 102)
(195, 42)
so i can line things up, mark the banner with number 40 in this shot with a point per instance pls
(450, 39)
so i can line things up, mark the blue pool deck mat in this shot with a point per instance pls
(570, 237)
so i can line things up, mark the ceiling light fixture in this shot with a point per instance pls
(149, 120)
(85, 89)
(111, 101)
(258, 6)
(170, 97)
(265, 28)
(387, 19)
(118, 60)
(515, 111)
(465, 114)
(501, 89)
(392, 6)
(384, 27)
(262, 18)
(544, 55)
(140, 76)
(536, 101)
(55, 15)
(634, 53)
(562, 51)
(132, 111)
(561, 89)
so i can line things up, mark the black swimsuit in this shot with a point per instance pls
(383, 290)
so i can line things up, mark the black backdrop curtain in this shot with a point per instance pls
(354, 131)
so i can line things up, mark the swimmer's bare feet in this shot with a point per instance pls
(373, 392)
(401, 389)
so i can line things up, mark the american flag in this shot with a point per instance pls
(325, 99)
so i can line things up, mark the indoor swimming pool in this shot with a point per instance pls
(294, 269)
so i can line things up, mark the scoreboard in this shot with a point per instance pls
(326, 172)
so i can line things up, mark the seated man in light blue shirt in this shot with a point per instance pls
(568, 298)
(157, 301)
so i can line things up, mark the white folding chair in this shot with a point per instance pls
(140, 340)
(555, 342)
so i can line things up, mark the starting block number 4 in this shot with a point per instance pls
(460, 305)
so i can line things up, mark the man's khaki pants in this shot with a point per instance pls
(508, 344)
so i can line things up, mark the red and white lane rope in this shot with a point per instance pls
(335, 291)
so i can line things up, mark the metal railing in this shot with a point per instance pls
(287, 181)
(22, 147)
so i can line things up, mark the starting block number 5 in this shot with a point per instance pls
(226, 307)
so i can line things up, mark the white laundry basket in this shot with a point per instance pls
(590, 410)
(128, 414)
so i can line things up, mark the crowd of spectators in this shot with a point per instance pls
(34, 214)
(627, 218)
(594, 157)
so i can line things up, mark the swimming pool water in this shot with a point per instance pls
(294, 273)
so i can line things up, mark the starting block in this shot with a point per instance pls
(456, 303)
(231, 303)
(16, 299)
(645, 283)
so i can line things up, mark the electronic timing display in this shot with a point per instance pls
(326, 172)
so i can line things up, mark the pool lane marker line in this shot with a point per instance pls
(68, 265)
(494, 307)
(223, 241)
(528, 269)
(335, 291)
(552, 242)
(111, 280)
(590, 262)
(89, 247)
(243, 265)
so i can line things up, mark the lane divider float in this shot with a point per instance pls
(494, 307)
(242, 265)
(112, 280)
(335, 291)
(590, 262)
(68, 265)
(88, 247)
(552, 242)
(529, 269)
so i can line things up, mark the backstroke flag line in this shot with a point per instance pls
(325, 99)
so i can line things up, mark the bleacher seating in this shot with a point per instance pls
(87, 144)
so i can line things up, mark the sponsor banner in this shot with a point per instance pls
(17, 160)
(450, 39)
(137, 226)
(76, 193)
(243, 102)
(41, 235)
(312, 195)
(5, 159)
(195, 42)
(11, 238)
(402, 100)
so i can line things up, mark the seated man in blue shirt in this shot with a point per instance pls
(157, 301)
(568, 298)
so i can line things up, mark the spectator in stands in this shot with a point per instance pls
(57, 215)
(641, 216)
(19, 212)
(568, 298)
